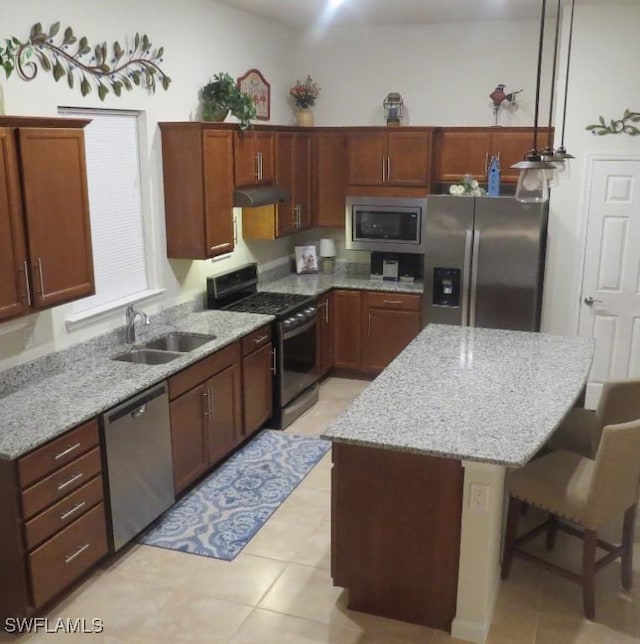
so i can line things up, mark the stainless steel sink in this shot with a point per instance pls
(181, 342)
(147, 356)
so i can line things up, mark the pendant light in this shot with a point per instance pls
(562, 156)
(532, 182)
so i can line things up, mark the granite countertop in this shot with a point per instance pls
(58, 392)
(318, 283)
(472, 394)
(89, 382)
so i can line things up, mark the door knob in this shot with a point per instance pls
(589, 301)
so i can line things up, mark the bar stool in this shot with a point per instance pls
(588, 494)
(581, 429)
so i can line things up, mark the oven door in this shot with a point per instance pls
(296, 360)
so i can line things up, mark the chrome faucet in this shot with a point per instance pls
(132, 316)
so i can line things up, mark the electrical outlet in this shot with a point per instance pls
(479, 497)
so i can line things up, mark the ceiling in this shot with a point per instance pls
(306, 14)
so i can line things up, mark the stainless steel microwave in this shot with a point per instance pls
(392, 224)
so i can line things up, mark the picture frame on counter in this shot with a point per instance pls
(306, 259)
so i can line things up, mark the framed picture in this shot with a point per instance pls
(255, 84)
(306, 260)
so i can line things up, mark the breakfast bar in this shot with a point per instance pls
(419, 462)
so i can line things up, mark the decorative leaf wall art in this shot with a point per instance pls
(621, 126)
(108, 69)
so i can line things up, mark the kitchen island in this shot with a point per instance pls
(419, 464)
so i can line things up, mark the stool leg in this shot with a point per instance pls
(588, 573)
(627, 547)
(510, 536)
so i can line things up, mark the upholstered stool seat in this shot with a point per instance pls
(585, 493)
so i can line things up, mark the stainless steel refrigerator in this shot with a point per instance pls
(484, 262)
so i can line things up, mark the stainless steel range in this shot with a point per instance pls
(294, 331)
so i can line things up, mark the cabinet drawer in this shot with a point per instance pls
(65, 557)
(256, 339)
(61, 514)
(391, 300)
(58, 452)
(205, 368)
(58, 485)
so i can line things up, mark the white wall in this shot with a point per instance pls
(200, 38)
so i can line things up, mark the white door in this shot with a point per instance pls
(610, 302)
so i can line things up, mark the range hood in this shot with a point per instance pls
(253, 196)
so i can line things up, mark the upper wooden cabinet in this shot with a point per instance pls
(254, 153)
(198, 189)
(45, 231)
(383, 157)
(467, 150)
(329, 177)
(292, 172)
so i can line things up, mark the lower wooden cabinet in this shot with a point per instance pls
(324, 334)
(53, 523)
(390, 321)
(370, 328)
(347, 329)
(257, 379)
(206, 414)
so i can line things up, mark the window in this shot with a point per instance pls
(115, 202)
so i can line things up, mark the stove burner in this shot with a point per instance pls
(269, 303)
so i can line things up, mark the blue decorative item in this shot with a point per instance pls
(493, 173)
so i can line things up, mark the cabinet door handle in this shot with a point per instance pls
(206, 407)
(392, 302)
(486, 163)
(39, 265)
(383, 167)
(259, 156)
(369, 326)
(64, 452)
(235, 231)
(274, 368)
(74, 509)
(388, 169)
(211, 408)
(79, 551)
(262, 338)
(70, 480)
(325, 304)
(25, 268)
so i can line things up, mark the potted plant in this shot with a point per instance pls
(221, 96)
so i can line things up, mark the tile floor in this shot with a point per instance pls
(279, 590)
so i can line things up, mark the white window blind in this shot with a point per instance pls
(117, 232)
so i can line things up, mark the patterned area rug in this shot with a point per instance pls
(220, 516)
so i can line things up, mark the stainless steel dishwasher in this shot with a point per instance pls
(137, 439)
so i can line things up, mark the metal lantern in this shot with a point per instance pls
(393, 108)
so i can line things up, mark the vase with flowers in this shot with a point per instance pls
(468, 188)
(305, 95)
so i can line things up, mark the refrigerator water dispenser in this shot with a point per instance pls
(446, 286)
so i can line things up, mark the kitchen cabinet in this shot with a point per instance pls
(53, 522)
(467, 150)
(257, 379)
(324, 334)
(370, 328)
(254, 157)
(292, 172)
(398, 158)
(347, 333)
(206, 414)
(198, 189)
(45, 231)
(330, 178)
(390, 321)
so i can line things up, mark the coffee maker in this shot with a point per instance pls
(395, 267)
